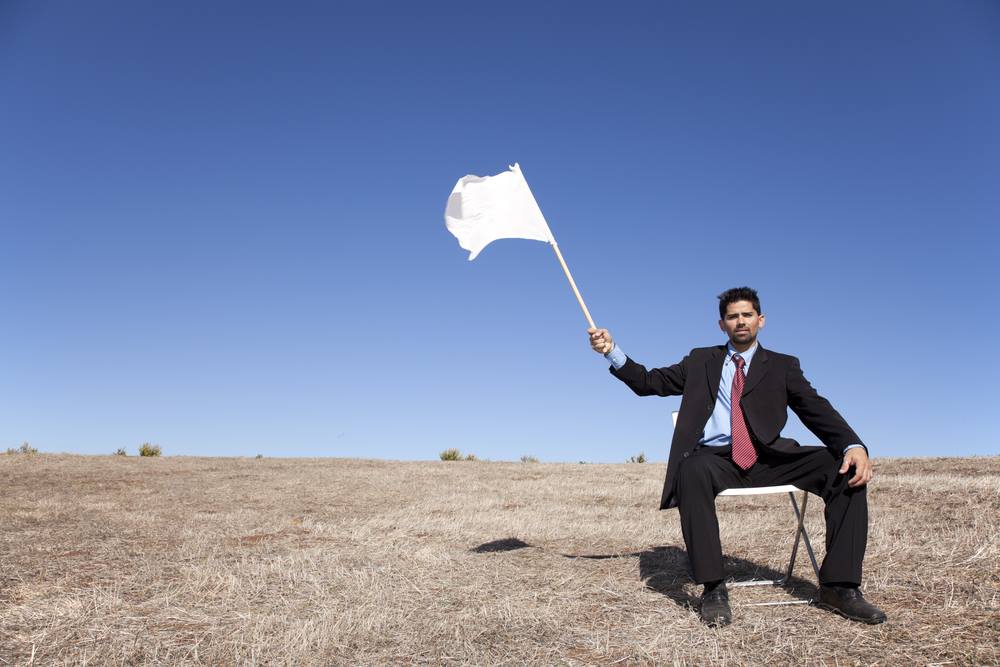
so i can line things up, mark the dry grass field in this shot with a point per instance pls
(115, 560)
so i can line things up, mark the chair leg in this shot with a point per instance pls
(801, 531)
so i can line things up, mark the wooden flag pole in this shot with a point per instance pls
(572, 283)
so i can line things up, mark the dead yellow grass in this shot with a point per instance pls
(113, 560)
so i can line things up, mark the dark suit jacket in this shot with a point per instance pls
(774, 383)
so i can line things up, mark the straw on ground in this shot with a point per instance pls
(330, 561)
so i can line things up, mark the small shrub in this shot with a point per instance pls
(259, 456)
(637, 459)
(25, 448)
(146, 449)
(121, 452)
(529, 459)
(471, 457)
(451, 455)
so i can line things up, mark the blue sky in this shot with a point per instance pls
(221, 223)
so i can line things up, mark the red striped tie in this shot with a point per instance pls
(744, 454)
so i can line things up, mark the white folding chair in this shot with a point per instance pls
(800, 531)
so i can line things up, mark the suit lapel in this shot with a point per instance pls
(758, 369)
(714, 369)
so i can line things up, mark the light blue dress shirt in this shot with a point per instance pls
(718, 429)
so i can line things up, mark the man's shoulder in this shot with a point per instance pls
(779, 357)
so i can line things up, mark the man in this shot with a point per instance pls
(728, 434)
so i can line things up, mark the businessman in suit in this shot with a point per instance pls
(728, 434)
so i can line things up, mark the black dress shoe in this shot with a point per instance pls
(715, 610)
(849, 603)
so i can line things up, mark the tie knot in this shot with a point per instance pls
(739, 361)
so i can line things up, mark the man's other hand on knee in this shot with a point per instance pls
(857, 458)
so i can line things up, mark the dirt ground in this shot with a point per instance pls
(122, 560)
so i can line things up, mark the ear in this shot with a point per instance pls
(761, 325)
(722, 326)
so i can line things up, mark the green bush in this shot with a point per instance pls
(259, 456)
(146, 449)
(637, 459)
(471, 457)
(451, 455)
(25, 448)
(121, 452)
(529, 459)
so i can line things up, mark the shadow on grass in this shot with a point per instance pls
(665, 570)
(506, 544)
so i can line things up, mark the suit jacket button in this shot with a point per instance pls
(687, 454)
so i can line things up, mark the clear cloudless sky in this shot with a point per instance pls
(221, 223)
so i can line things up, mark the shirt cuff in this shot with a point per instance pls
(616, 357)
(845, 448)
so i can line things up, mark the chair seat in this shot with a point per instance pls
(760, 490)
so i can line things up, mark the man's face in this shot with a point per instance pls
(741, 323)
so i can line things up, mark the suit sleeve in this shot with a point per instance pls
(817, 414)
(666, 381)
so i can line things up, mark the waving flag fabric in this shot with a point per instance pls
(482, 209)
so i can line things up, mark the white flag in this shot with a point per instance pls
(482, 209)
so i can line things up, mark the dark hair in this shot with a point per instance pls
(735, 294)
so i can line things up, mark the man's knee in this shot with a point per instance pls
(839, 488)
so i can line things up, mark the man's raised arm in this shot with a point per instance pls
(668, 381)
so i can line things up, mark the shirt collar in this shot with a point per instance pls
(747, 356)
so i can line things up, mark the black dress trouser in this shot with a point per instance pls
(710, 470)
